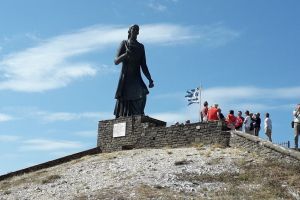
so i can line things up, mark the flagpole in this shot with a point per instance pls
(200, 90)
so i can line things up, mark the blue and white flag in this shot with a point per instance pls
(193, 96)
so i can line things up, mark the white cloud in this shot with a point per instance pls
(5, 117)
(9, 138)
(157, 6)
(48, 145)
(249, 93)
(175, 95)
(216, 35)
(209, 35)
(61, 153)
(170, 117)
(91, 133)
(33, 37)
(239, 94)
(47, 116)
(48, 65)
(67, 116)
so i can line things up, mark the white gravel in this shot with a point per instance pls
(126, 174)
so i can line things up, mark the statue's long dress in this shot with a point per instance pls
(131, 91)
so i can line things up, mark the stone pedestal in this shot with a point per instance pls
(124, 132)
(145, 132)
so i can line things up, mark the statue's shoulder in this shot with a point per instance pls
(140, 45)
(123, 42)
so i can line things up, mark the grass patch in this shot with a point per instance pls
(7, 192)
(168, 147)
(255, 180)
(198, 146)
(169, 152)
(214, 161)
(232, 186)
(110, 156)
(141, 191)
(50, 179)
(217, 146)
(208, 153)
(206, 178)
(80, 197)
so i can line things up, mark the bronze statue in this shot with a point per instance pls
(131, 91)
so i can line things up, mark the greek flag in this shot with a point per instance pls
(193, 96)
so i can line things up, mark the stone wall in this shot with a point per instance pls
(146, 132)
(264, 148)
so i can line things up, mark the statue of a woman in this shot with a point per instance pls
(132, 91)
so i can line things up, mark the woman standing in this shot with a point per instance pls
(131, 91)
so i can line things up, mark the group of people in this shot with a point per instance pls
(251, 123)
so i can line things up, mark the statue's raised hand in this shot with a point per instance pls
(151, 84)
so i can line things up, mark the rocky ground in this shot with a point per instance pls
(198, 172)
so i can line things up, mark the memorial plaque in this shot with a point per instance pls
(119, 129)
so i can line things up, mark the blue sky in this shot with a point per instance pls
(57, 77)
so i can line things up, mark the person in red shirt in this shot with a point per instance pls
(230, 120)
(239, 122)
(213, 113)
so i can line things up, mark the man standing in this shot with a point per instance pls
(268, 127)
(296, 114)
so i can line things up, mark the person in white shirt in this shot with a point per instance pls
(247, 122)
(268, 127)
(296, 114)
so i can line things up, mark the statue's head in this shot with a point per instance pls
(133, 31)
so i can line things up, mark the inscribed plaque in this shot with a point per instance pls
(119, 129)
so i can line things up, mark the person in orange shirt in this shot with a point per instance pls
(230, 120)
(213, 113)
(239, 122)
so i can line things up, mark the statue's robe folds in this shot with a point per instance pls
(131, 91)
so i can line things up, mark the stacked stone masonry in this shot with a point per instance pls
(264, 148)
(146, 132)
